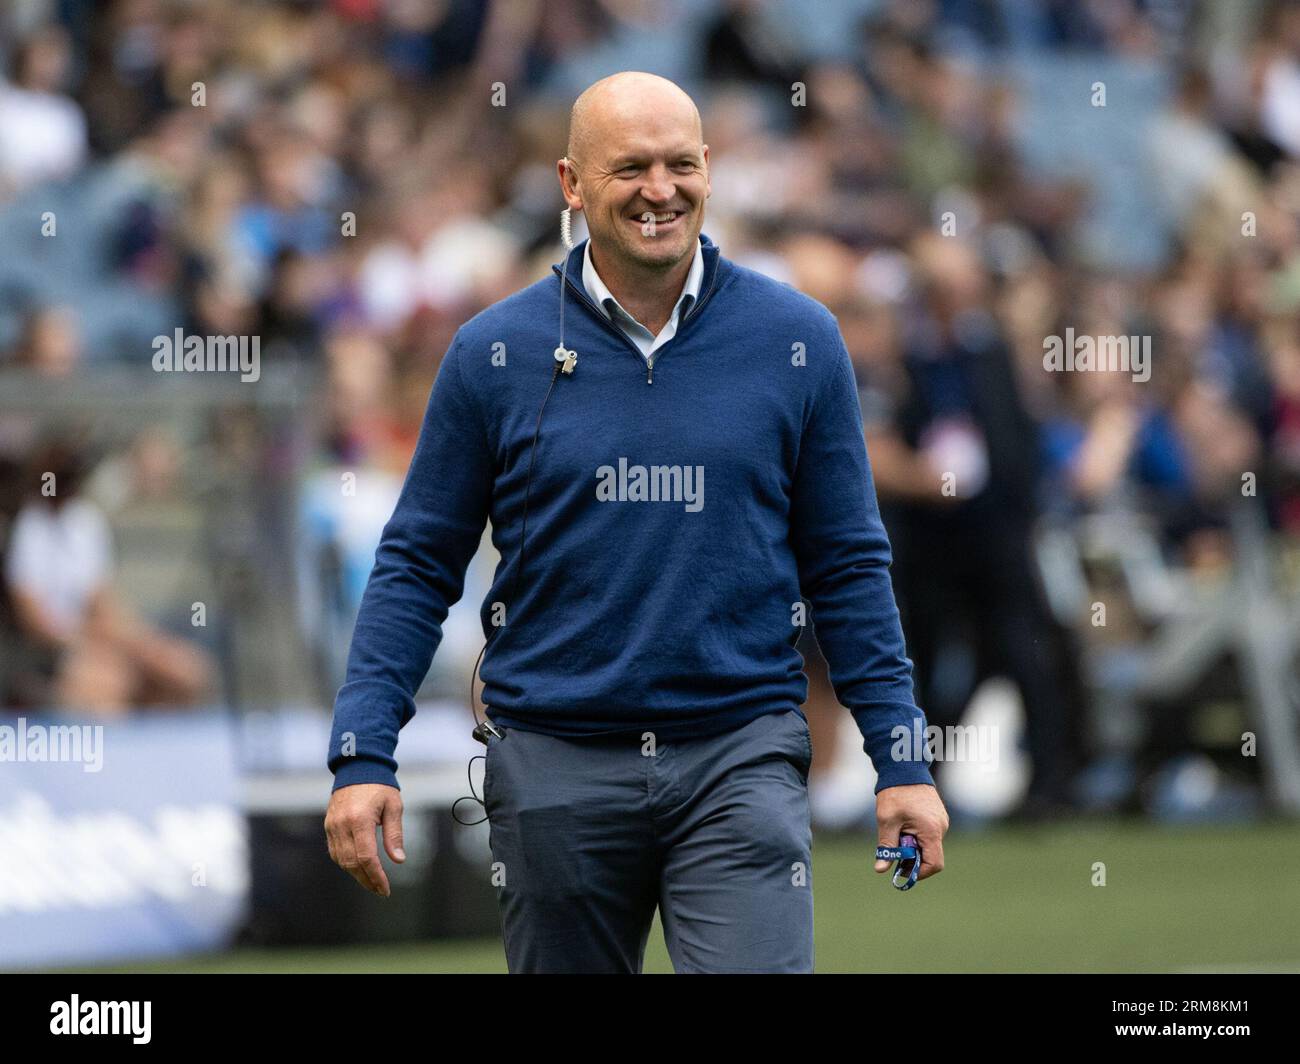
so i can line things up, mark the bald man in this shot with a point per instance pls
(645, 745)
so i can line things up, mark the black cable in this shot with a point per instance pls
(480, 725)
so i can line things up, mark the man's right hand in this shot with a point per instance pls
(350, 821)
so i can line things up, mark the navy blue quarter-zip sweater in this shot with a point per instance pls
(679, 512)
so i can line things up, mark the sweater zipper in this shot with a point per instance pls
(649, 362)
(583, 297)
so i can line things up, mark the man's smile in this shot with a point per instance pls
(661, 220)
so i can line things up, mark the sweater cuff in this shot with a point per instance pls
(368, 714)
(361, 770)
(893, 735)
(901, 774)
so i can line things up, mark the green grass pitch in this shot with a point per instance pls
(1222, 898)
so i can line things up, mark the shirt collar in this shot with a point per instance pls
(604, 298)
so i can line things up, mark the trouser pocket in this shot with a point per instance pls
(490, 755)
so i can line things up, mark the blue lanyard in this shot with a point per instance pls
(908, 855)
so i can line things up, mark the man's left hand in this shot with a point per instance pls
(914, 809)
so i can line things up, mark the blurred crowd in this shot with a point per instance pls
(351, 179)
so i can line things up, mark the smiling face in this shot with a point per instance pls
(638, 170)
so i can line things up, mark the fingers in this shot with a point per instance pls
(350, 834)
(929, 829)
(931, 853)
(930, 835)
(886, 835)
(344, 851)
(366, 868)
(913, 811)
(392, 825)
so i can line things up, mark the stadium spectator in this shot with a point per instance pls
(98, 657)
(42, 132)
(958, 457)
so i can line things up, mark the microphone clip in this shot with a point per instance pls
(567, 360)
(483, 729)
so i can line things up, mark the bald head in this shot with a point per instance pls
(625, 100)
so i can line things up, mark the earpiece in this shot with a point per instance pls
(566, 228)
(567, 359)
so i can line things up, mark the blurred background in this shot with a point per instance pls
(1111, 602)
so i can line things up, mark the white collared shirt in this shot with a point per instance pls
(646, 341)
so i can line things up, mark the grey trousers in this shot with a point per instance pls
(588, 836)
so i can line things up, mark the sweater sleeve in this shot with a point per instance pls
(843, 556)
(418, 575)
